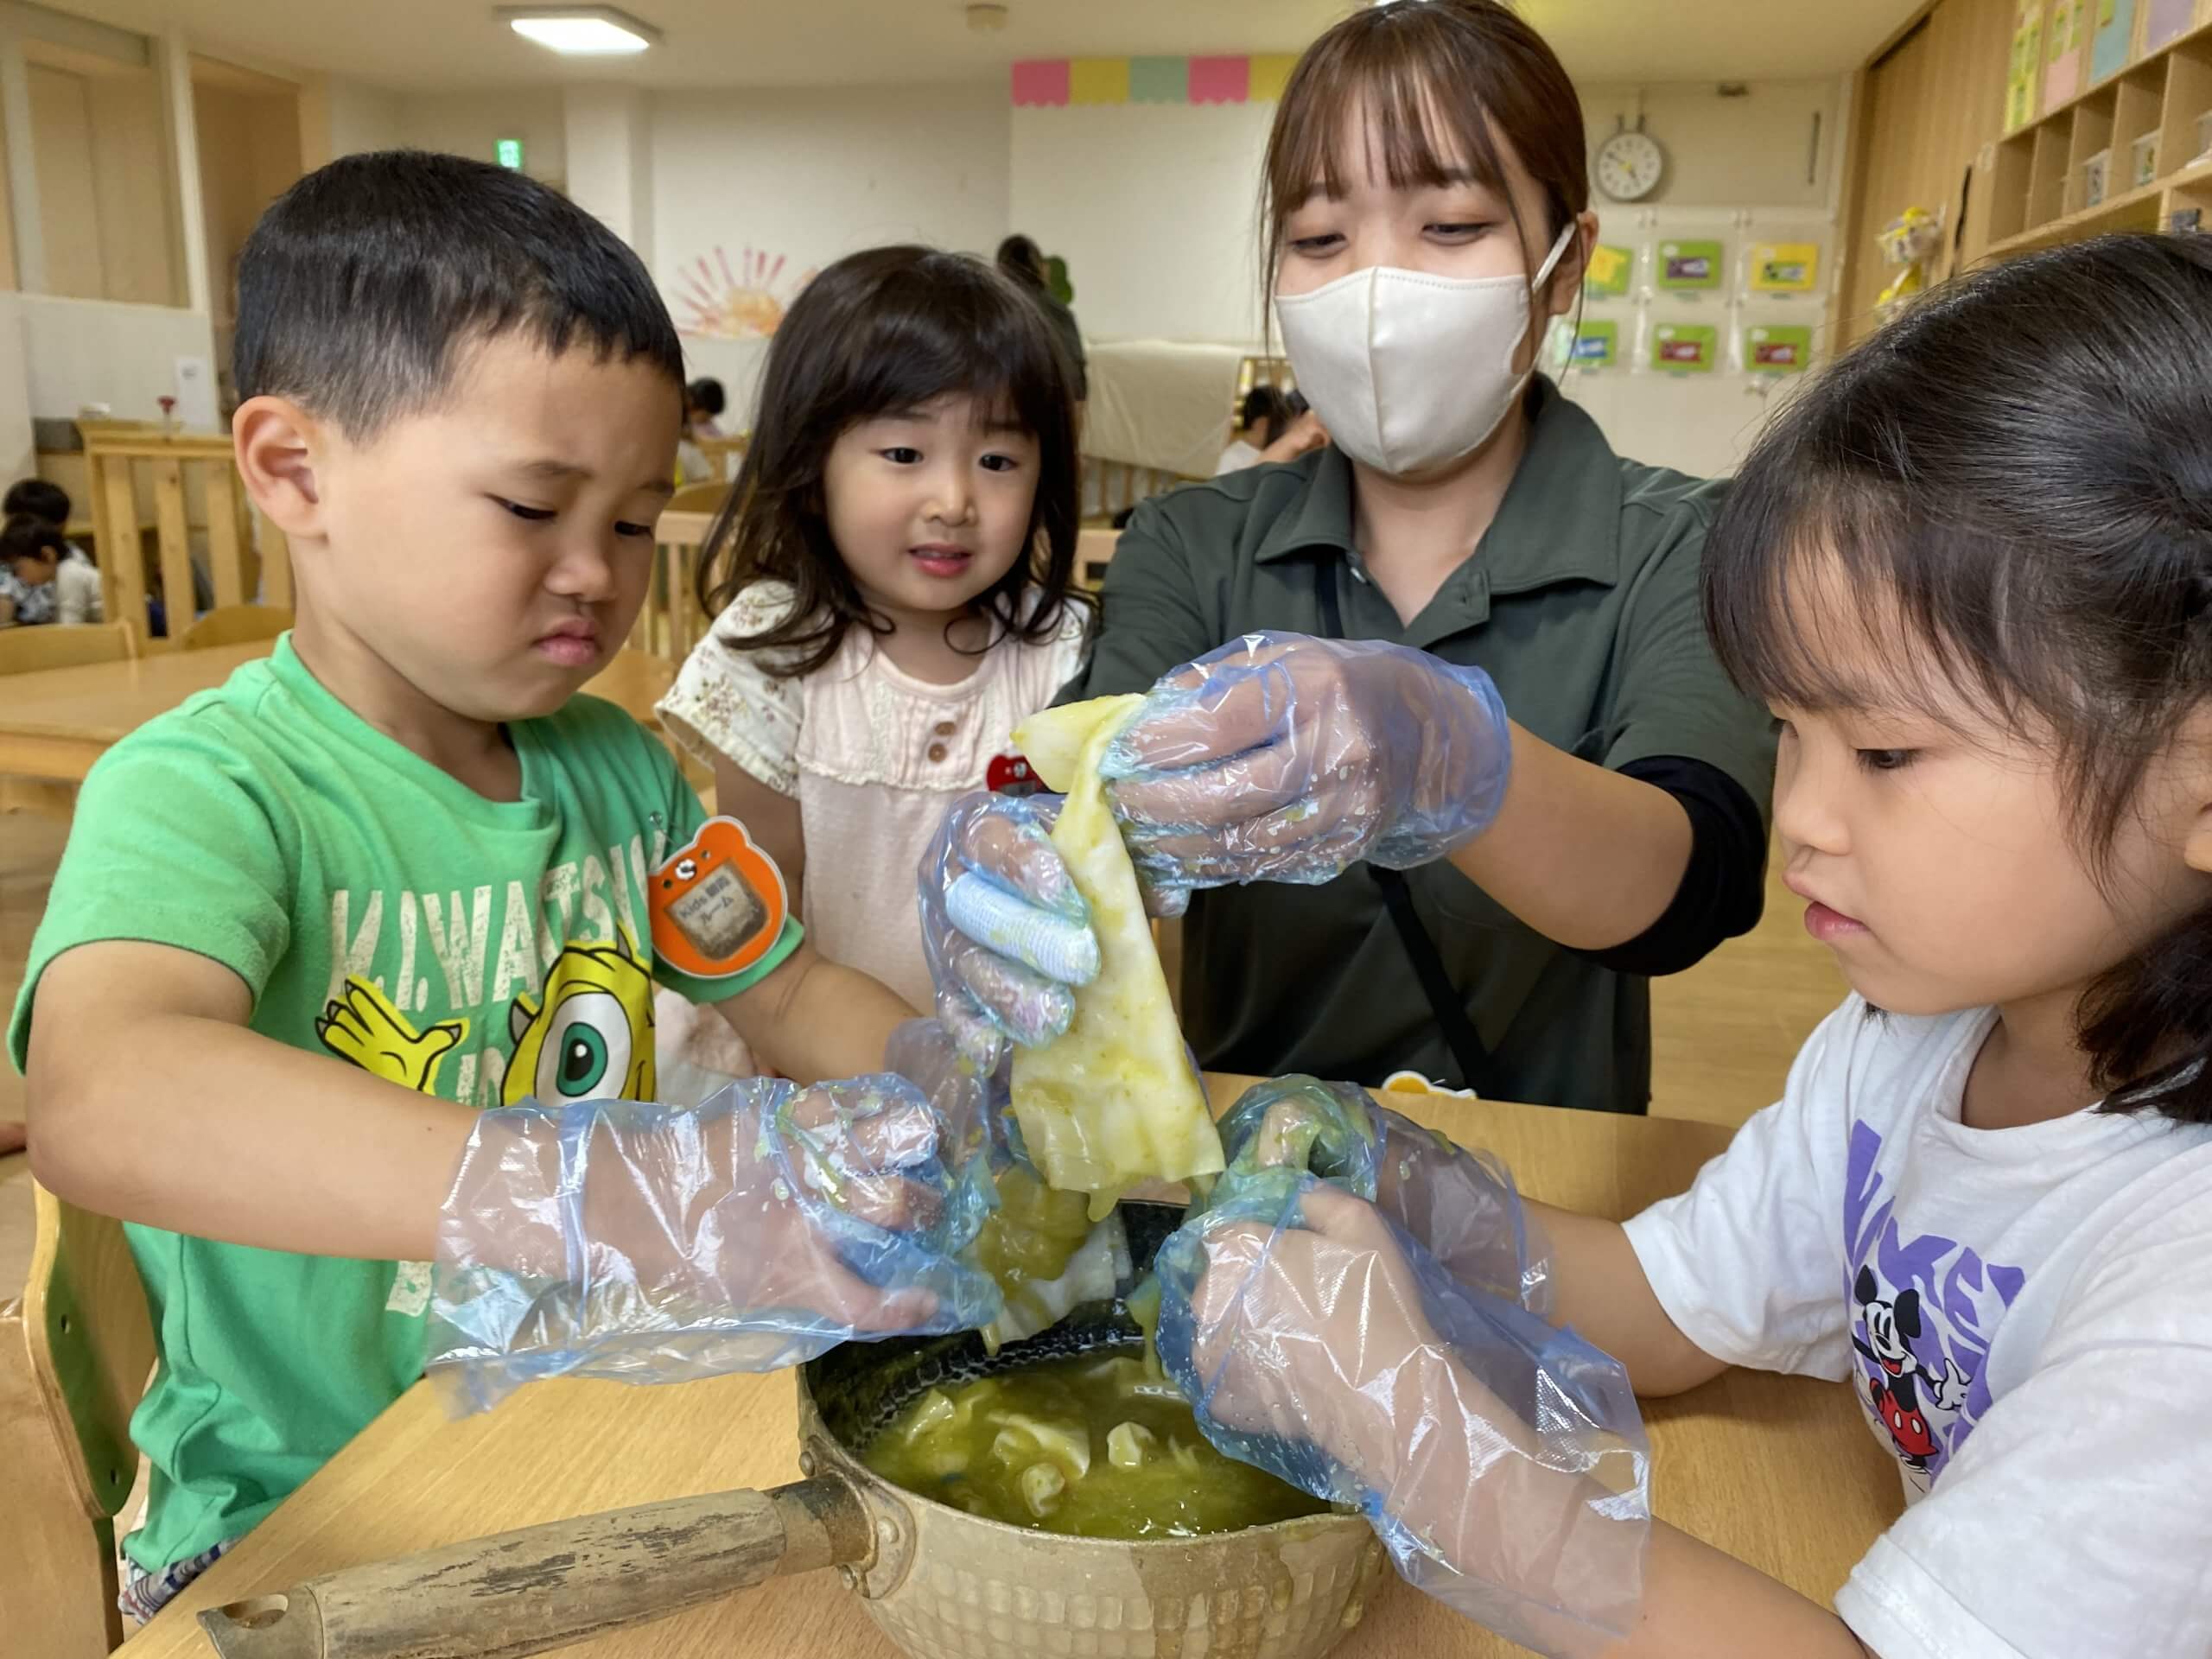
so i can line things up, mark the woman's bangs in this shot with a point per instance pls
(1383, 88)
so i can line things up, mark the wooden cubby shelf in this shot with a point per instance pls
(2139, 128)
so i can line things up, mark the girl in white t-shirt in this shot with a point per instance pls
(1970, 568)
(894, 579)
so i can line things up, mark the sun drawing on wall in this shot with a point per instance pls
(747, 302)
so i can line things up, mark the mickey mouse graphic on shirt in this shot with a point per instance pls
(1908, 1388)
(1925, 1309)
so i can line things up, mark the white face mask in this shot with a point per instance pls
(1410, 372)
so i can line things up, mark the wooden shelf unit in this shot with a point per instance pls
(2040, 179)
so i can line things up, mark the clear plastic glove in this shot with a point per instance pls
(1502, 1462)
(1458, 1204)
(1039, 1246)
(1280, 758)
(1007, 933)
(1277, 757)
(653, 1244)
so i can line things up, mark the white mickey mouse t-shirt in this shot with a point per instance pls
(2024, 1315)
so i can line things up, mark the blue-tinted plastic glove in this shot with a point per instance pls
(1502, 1462)
(1280, 758)
(1458, 1204)
(654, 1244)
(1048, 1253)
(1007, 933)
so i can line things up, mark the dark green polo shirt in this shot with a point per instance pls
(1582, 601)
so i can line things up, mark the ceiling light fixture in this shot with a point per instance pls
(581, 31)
(986, 19)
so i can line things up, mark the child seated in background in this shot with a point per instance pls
(1272, 425)
(703, 403)
(30, 554)
(399, 871)
(77, 579)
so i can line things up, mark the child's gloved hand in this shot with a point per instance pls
(651, 1243)
(1007, 935)
(1502, 1462)
(1458, 1204)
(1280, 758)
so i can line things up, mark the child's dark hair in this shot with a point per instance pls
(706, 395)
(27, 536)
(2020, 469)
(884, 330)
(362, 279)
(1265, 403)
(1020, 258)
(38, 498)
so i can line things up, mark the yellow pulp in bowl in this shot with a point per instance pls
(1095, 1447)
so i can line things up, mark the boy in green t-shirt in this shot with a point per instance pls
(310, 923)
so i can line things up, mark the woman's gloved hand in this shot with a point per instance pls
(1278, 758)
(652, 1244)
(1502, 1462)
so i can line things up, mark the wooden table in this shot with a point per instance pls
(1778, 1470)
(55, 724)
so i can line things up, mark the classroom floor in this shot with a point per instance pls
(1723, 1034)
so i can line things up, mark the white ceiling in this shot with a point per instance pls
(445, 45)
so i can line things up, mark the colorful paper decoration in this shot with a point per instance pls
(2167, 20)
(1770, 348)
(1607, 275)
(2115, 34)
(1220, 81)
(1040, 83)
(1098, 80)
(1270, 74)
(1685, 265)
(1596, 345)
(1052, 83)
(2062, 76)
(2023, 72)
(1160, 80)
(1785, 267)
(1684, 347)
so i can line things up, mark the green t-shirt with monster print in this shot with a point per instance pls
(381, 910)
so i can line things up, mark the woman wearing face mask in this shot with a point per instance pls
(1472, 841)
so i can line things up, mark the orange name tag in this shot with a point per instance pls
(718, 904)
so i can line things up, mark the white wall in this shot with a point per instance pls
(472, 124)
(608, 132)
(362, 118)
(804, 176)
(79, 352)
(1772, 147)
(1151, 206)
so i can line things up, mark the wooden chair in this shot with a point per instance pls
(235, 625)
(725, 454)
(1093, 550)
(75, 1355)
(66, 644)
(699, 497)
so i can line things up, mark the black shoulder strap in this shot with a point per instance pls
(1445, 999)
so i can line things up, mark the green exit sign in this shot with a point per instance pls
(511, 152)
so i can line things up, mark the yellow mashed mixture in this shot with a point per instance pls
(1097, 1446)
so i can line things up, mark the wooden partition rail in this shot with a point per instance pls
(672, 620)
(1122, 485)
(192, 483)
